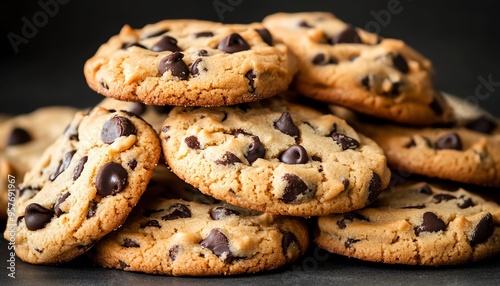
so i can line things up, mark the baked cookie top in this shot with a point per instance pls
(274, 156)
(176, 230)
(84, 185)
(416, 224)
(191, 63)
(345, 65)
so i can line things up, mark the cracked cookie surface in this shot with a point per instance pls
(84, 185)
(416, 224)
(274, 156)
(345, 65)
(191, 63)
(176, 230)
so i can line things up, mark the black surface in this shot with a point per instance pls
(460, 37)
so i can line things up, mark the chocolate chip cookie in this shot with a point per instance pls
(84, 185)
(191, 63)
(274, 156)
(176, 230)
(416, 224)
(345, 65)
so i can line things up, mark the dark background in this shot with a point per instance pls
(460, 37)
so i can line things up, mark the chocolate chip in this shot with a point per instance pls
(116, 127)
(350, 241)
(320, 60)
(425, 189)
(19, 219)
(203, 53)
(465, 202)
(63, 165)
(365, 81)
(285, 124)
(203, 34)
(233, 43)
(347, 36)
(60, 199)
(111, 179)
(177, 211)
(71, 132)
(132, 44)
(304, 24)
(194, 67)
(288, 239)
(79, 167)
(265, 35)
(151, 223)
(155, 34)
(219, 212)
(296, 154)
(228, 159)
(173, 252)
(345, 182)
(137, 108)
(123, 265)
(375, 188)
(166, 44)
(192, 142)
(18, 136)
(436, 107)
(92, 209)
(316, 158)
(295, 189)
(482, 124)
(449, 141)
(350, 216)
(250, 75)
(400, 63)
(483, 230)
(127, 242)
(255, 150)
(414, 207)
(443, 198)
(175, 65)
(344, 141)
(394, 91)
(132, 164)
(430, 223)
(103, 84)
(36, 216)
(218, 243)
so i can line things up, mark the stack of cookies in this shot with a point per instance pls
(217, 142)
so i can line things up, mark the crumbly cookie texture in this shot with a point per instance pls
(191, 63)
(176, 230)
(84, 185)
(24, 138)
(345, 65)
(416, 224)
(274, 156)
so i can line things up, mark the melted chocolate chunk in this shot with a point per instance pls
(375, 188)
(166, 44)
(36, 216)
(295, 190)
(127, 242)
(132, 164)
(285, 125)
(92, 209)
(265, 35)
(347, 36)
(218, 243)
(400, 63)
(173, 252)
(349, 217)
(443, 198)
(192, 142)
(296, 154)
(175, 65)
(111, 179)
(482, 124)
(304, 24)
(177, 211)
(79, 167)
(288, 239)
(228, 159)
(365, 81)
(220, 212)
(155, 34)
(344, 141)
(483, 230)
(345, 182)
(151, 223)
(18, 136)
(414, 207)
(203, 53)
(250, 75)
(194, 67)
(350, 242)
(449, 141)
(255, 150)
(321, 60)
(465, 202)
(63, 165)
(204, 34)
(430, 223)
(116, 127)
(123, 265)
(60, 199)
(233, 43)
